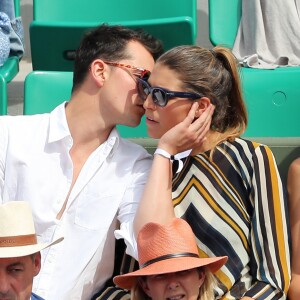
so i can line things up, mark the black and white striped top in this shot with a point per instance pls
(237, 206)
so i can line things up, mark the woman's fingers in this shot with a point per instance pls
(190, 132)
(201, 125)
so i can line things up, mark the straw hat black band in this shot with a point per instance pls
(168, 256)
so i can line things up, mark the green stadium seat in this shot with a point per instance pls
(44, 90)
(8, 71)
(272, 96)
(58, 26)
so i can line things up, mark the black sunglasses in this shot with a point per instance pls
(159, 95)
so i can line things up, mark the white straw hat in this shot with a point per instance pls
(17, 232)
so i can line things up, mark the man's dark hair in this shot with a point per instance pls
(109, 43)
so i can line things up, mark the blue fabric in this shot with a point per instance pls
(16, 38)
(8, 6)
(36, 297)
(4, 37)
(11, 32)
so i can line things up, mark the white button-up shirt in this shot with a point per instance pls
(35, 166)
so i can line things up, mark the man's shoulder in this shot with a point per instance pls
(21, 124)
(20, 120)
(134, 148)
(36, 297)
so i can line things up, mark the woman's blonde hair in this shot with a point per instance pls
(206, 291)
(213, 74)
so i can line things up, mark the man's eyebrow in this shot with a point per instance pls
(15, 264)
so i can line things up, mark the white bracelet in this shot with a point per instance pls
(164, 153)
(177, 157)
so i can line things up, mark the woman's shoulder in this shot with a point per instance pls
(244, 144)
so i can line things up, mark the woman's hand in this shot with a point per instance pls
(188, 134)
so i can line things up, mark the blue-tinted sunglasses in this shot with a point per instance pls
(159, 95)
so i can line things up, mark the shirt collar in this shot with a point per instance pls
(112, 142)
(58, 126)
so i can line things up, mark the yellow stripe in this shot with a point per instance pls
(212, 202)
(227, 182)
(278, 221)
(219, 274)
(230, 185)
(215, 207)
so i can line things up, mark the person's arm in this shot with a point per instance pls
(158, 189)
(293, 185)
(269, 241)
(156, 203)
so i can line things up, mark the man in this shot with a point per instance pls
(20, 258)
(81, 178)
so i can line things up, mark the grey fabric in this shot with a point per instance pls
(268, 34)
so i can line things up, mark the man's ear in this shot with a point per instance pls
(203, 103)
(99, 71)
(37, 263)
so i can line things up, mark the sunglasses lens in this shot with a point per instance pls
(143, 89)
(159, 97)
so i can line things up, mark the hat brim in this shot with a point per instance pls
(8, 252)
(127, 281)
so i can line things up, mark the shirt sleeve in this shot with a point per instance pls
(270, 235)
(130, 204)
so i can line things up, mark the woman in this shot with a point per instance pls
(293, 185)
(229, 189)
(170, 267)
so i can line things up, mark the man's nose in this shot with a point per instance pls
(4, 285)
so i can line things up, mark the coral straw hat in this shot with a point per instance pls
(17, 232)
(167, 249)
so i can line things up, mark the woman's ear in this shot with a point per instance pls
(203, 103)
(202, 276)
(143, 283)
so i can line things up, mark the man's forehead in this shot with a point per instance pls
(14, 260)
(136, 50)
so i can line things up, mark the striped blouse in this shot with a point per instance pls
(237, 206)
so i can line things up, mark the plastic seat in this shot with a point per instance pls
(272, 96)
(44, 90)
(58, 26)
(8, 71)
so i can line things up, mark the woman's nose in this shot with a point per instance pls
(149, 104)
(173, 282)
(173, 285)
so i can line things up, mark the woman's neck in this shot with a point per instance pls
(213, 138)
